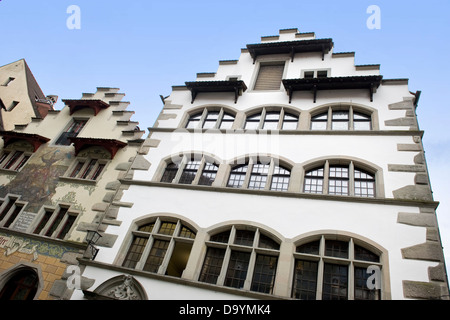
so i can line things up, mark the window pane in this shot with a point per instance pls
(264, 273)
(189, 172)
(12, 160)
(252, 122)
(244, 237)
(271, 120)
(335, 282)
(194, 120)
(309, 248)
(170, 172)
(364, 184)
(268, 243)
(340, 120)
(227, 121)
(361, 121)
(212, 265)
(237, 177)
(237, 269)
(362, 291)
(338, 181)
(135, 252)
(290, 122)
(211, 119)
(156, 256)
(221, 237)
(314, 181)
(185, 232)
(167, 228)
(258, 178)
(335, 248)
(365, 255)
(208, 174)
(147, 227)
(280, 179)
(319, 122)
(305, 280)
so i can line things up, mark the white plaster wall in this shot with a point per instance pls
(156, 289)
(287, 218)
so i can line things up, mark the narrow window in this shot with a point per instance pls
(67, 225)
(361, 121)
(258, 177)
(13, 215)
(56, 221)
(290, 121)
(170, 172)
(280, 179)
(72, 131)
(364, 184)
(252, 122)
(45, 218)
(194, 120)
(135, 252)
(208, 174)
(340, 120)
(189, 172)
(271, 120)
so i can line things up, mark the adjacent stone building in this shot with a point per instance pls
(59, 171)
(289, 173)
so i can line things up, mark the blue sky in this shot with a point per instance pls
(145, 47)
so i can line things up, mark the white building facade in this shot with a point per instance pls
(290, 173)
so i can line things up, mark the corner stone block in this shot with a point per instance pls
(429, 250)
(424, 290)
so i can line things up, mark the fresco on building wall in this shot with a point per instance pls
(37, 180)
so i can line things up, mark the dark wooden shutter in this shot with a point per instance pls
(269, 77)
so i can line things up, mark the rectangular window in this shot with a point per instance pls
(67, 225)
(264, 273)
(237, 269)
(156, 256)
(237, 177)
(314, 181)
(335, 282)
(46, 217)
(362, 292)
(269, 76)
(135, 252)
(212, 265)
(62, 212)
(87, 170)
(208, 174)
(13, 216)
(258, 178)
(305, 280)
(72, 131)
(338, 181)
(189, 172)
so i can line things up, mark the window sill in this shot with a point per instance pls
(78, 180)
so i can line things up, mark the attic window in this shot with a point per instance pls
(7, 81)
(269, 76)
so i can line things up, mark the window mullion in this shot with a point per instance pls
(262, 119)
(326, 174)
(320, 269)
(350, 118)
(250, 270)
(270, 174)
(183, 163)
(351, 179)
(219, 119)
(141, 263)
(248, 173)
(201, 122)
(281, 119)
(330, 118)
(198, 174)
(163, 267)
(226, 258)
(351, 271)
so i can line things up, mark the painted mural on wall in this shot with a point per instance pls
(38, 179)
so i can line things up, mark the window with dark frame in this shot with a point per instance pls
(200, 171)
(149, 248)
(211, 118)
(335, 276)
(13, 160)
(72, 131)
(232, 258)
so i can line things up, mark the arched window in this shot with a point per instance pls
(22, 285)
(260, 174)
(161, 246)
(198, 170)
(341, 118)
(211, 118)
(338, 179)
(269, 119)
(334, 269)
(241, 257)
